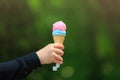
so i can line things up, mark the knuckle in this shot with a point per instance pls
(54, 55)
(52, 49)
(50, 45)
(61, 59)
(62, 53)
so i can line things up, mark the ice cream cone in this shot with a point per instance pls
(59, 33)
(59, 39)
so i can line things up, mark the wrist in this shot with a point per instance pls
(39, 56)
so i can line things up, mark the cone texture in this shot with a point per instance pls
(59, 39)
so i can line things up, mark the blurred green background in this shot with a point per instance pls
(92, 45)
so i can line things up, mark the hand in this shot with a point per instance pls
(51, 54)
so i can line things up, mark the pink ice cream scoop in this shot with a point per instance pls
(59, 28)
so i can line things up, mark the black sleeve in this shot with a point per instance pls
(19, 68)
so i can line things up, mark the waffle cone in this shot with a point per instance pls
(59, 39)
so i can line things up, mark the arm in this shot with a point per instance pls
(19, 68)
(23, 66)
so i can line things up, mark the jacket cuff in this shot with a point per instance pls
(32, 61)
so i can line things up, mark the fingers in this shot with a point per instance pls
(57, 58)
(58, 62)
(59, 51)
(51, 53)
(58, 45)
